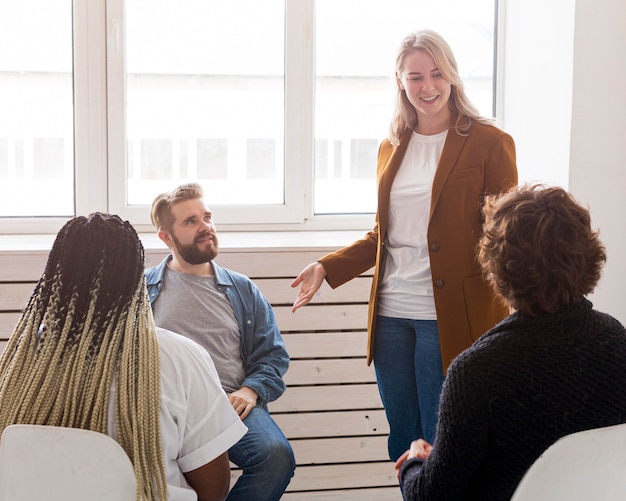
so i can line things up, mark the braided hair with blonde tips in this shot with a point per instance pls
(88, 327)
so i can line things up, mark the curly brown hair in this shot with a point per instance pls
(538, 250)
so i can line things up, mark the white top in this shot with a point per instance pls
(406, 289)
(198, 423)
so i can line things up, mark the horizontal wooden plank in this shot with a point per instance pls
(256, 264)
(14, 296)
(322, 317)
(22, 267)
(8, 321)
(338, 476)
(279, 291)
(371, 494)
(278, 262)
(328, 398)
(344, 476)
(326, 344)
(340, 450)
(329, 371)
(333, 424)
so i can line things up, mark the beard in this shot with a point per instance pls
(192, 254)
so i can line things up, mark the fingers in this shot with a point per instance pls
(302, 300)
(244, 413)
(399, 462)
(420, 449)
(402, 459)
(242, 407)
(310, 280)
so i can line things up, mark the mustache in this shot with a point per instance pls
(205, 233)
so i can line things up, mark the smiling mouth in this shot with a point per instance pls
(429, 99)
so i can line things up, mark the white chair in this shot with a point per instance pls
(63, 464)
(588, 465)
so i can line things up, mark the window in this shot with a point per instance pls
(355, 46)
(276, 107)
(36, 99)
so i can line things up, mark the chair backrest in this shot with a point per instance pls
(590, 464)
(63, 464)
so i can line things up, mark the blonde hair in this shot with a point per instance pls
(87, 327)
(433, 44)
(161, 211)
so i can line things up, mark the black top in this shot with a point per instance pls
(523, 385)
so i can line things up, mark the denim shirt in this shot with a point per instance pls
(262, 347)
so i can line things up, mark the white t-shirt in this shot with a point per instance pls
(198, 423)
(406, 289)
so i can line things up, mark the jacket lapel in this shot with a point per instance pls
(449, 156)
(385, 181)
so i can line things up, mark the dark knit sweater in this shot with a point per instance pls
(519, 388)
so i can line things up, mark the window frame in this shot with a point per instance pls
(100, 129)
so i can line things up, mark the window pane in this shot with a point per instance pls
(36, 99)
(205, 99)
(355, 58)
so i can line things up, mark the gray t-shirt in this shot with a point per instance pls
(194, 307)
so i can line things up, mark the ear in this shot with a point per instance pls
(165, 237)
(400, 85)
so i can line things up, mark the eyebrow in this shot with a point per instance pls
(207, 213)
(435, 69)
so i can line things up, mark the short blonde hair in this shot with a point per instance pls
(161, 212)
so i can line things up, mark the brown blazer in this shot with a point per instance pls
(478, 162)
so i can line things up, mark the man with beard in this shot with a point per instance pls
(225, 313)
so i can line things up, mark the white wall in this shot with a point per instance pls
(598, 140)
(564, 104)
(537, 56)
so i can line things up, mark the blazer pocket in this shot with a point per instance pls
(464, 174)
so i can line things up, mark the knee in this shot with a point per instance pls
(281, 455)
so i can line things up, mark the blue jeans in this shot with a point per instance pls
(265, 457)
(409, 373)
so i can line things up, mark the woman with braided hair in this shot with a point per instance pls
(86, 354)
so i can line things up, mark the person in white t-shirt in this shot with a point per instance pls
(87, 354)
(428, 300)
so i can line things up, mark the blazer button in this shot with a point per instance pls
(434, 246)
(439, 283)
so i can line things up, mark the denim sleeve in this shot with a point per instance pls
(265, 356)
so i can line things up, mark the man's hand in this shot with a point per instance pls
(243, 401)
(311, 279)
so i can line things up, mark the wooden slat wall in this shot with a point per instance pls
(331, 411)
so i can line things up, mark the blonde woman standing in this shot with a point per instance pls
(428, 300)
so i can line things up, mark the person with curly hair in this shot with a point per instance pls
(553, 367)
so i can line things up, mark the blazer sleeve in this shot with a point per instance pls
(501, 167)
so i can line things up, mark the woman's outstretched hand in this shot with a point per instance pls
(310, 280)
